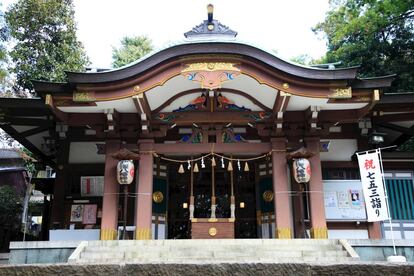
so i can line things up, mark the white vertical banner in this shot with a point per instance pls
(373, 186)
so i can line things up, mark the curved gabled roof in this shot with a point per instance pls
(199, 47)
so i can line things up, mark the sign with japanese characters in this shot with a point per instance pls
(92, 185)
(373, 186)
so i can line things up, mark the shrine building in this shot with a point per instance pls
(214, 127)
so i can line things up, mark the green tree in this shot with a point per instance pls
(132, 48)
(3, 51)
(303, 59)
(378, 35)
(10, 206)
(44, 32)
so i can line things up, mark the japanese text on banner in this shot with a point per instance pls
(373, 187)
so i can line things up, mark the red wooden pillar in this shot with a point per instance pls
(374, 230)
(319, 229)
(109, 223)
(143, 204)
(283, 214)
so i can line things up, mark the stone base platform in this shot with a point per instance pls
(355, 268)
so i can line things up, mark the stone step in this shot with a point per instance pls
(103, 255)
(329, 253)
(214, 242)
(223, 260)
(215, 248)
(211, 255)
(212, 251)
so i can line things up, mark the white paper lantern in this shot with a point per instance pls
(125, 172)
(301, 170)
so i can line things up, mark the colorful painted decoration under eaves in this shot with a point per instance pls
(258, 116)
(225, 103)
(195, 138)
(228, 136)
(196, 104)
(210, 75)
(166, 118)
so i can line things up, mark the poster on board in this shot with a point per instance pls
(344, 200)
(89, 214)
(92, 185)
(76, 213)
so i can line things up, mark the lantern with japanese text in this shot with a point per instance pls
(125, 172)
(301, 170)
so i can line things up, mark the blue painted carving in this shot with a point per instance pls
(195, 138)
(228, 136)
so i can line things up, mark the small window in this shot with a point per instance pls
(340, 174)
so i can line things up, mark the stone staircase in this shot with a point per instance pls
(214, 251)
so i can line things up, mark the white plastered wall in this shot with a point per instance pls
(85, 153)
(340, 150)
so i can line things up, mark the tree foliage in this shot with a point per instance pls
(378, 35)
(3, 51)
(10, 206)
(132, 48)
(44, 32)
(303, 59)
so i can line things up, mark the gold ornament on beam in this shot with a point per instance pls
(196, 168)
(181, 169)
(246, 167)
(157, 197)
(340, 93)
(230, 167)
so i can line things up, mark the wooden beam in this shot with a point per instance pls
(234, 148)
(311, 115)
(176, 96)
(144, 111)
(404, 130)
(244, 94)
(187, 118)
(279, 108)
(62, 116)
(27, 144)
(399, 117)
(34, 131)
(21, 121)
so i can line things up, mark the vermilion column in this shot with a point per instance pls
(143, 212)
(374, 230)
(317, 206)
(283, 213)
(109, 223)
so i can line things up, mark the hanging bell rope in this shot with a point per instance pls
(213, 154)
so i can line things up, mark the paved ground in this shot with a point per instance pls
(211, 269)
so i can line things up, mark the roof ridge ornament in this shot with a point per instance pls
(210, 28)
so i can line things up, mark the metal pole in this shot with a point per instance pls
(125, 210)
(366, 151)
(386, 200)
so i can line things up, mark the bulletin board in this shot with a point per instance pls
(344, 200)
